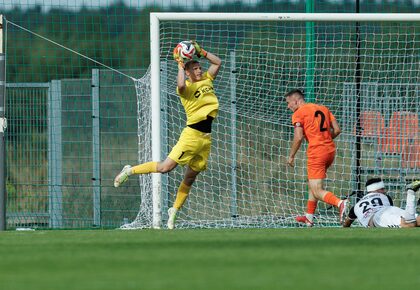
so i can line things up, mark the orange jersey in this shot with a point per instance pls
(316, 123)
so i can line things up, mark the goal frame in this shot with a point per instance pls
(156, 18)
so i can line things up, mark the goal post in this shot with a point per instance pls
(156, 117)
(264, 54)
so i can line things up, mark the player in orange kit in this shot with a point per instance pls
(318, 125)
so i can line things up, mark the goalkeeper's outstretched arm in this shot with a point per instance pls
(215, 61)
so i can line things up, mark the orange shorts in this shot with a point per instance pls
(317, 165)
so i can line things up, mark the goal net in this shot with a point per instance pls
(370, 90)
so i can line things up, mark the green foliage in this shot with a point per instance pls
(118, 35)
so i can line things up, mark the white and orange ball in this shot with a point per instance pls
(186, 49)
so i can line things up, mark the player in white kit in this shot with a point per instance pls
(376, 208)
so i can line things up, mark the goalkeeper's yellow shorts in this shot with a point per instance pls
(192, 149)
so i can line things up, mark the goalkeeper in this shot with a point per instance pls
(201, 105)
(376, 210)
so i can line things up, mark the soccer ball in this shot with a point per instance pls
(186, 49)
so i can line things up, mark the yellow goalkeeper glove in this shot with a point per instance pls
(177, 56)
(198, 50)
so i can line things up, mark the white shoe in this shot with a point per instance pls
(122, 176)
(172, 217)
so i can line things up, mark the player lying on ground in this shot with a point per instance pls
(376, 208)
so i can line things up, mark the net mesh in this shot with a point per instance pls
(247, 183)
(144, 216)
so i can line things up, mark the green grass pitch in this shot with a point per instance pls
(317, 258)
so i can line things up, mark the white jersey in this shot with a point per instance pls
(370, 204)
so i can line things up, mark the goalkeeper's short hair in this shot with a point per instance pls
(190, 63)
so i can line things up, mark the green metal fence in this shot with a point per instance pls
(66, 140)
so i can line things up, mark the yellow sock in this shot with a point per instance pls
(181, 195)
(148, 167)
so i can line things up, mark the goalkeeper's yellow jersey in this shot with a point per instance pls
(199, 99)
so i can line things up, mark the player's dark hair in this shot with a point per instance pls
(373, 180)
(295, 91)
(190, 63)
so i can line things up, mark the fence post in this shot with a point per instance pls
(55, 155)
(3, 125)
(96, 150)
